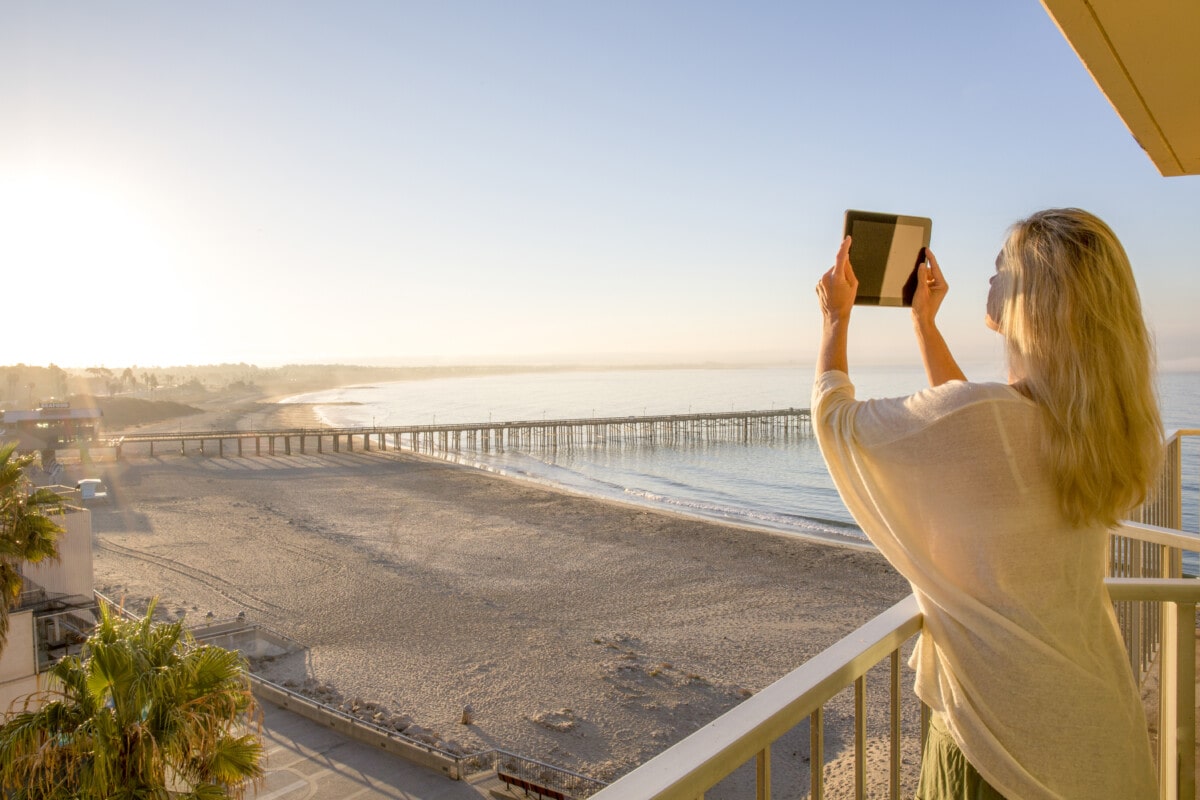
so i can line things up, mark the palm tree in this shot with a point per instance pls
(144, 713)
(58, 380)
(27, 533)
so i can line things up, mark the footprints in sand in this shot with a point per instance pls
(631, 671)
(562, 720)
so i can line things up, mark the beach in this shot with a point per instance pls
(586, 633)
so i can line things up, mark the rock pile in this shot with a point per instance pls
(375, 713)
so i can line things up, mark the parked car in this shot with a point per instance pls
(92, 489)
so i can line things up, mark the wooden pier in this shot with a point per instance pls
(737, 426)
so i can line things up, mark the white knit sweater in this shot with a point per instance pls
(1020, 650)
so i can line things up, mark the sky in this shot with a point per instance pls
(536, 182)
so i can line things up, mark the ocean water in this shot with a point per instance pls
(776, 485)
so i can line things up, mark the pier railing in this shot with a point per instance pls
(666, 429)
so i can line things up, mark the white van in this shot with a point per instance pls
(92, 489)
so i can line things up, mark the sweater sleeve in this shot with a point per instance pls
(851, 435)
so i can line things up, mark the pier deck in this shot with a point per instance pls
(743, 426)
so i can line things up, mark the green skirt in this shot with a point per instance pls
(945, 772)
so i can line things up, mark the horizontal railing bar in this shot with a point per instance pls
(1154, 534)
(1158, 590)
(700, 761)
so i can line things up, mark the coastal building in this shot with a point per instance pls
(50, 426)
(54, 615)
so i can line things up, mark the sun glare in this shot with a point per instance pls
(65, 228)
(94, 261)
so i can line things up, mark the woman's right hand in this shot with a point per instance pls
(838, 287)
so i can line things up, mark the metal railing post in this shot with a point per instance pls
(816, 751)
(894, 691)
(763, 773)
(860, 737)
(1168, 730)
(1185, 700)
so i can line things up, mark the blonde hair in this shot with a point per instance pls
(1078, 342)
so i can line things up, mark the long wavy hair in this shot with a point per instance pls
(1078, 343)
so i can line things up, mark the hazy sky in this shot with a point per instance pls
(396, 182)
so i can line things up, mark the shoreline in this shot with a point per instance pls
(831, 540)
(274, 413)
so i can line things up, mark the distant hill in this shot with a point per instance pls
(126, 412)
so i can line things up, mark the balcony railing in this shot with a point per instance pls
(1156, 609)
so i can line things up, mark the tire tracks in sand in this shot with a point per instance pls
(216, 583)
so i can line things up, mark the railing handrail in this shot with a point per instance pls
(1154, 590)
(692, 766)
(1155, 534)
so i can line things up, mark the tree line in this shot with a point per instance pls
(25, 386)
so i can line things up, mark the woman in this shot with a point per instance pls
(995, 501)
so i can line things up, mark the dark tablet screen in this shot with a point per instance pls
(885, 252)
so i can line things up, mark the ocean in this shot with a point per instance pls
(780, 486)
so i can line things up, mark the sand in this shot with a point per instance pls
(585, 633)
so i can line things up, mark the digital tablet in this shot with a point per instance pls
(885, 251)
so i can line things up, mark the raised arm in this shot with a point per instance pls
(940, 365)
(837, 289)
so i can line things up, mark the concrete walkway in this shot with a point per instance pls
(306, 761)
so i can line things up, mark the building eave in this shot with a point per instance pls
(1145, 58)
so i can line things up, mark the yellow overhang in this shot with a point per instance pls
(1145, 57)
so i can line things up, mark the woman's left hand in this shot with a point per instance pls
(931, 290)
